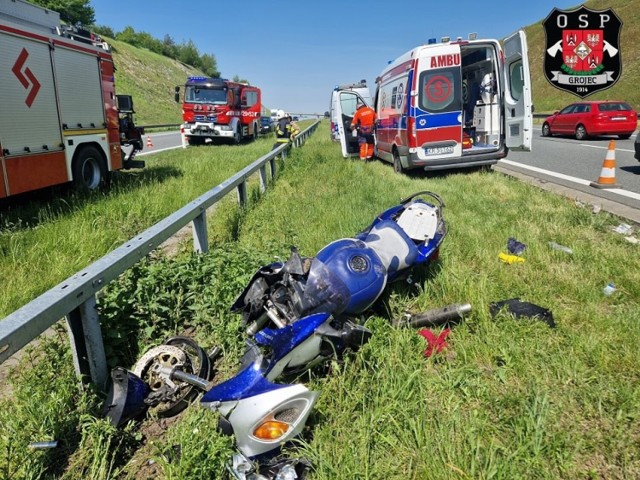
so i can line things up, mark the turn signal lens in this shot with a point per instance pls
(271, 430)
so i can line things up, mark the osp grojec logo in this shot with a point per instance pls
(582, 53)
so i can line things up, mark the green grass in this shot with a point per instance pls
(507, 399)
(59, 236)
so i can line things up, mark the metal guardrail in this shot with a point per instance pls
(178, 125)
(75, 297)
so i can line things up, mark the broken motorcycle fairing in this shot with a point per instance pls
(298, 314)
(348, 275)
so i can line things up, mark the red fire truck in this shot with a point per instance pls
(61, 120)
(216, 108)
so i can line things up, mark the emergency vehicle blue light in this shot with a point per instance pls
(431, 41)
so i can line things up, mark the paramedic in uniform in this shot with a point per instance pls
(286, 130)
(364, 121)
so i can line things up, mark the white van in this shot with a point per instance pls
(344, 99)
(454, 104)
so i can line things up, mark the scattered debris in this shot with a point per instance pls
(126, 396)
(515, 247)
(609, 289)
(633, 240)
(506, 258)
(434, 344)
(241, 468)
(596, 209)
(43, 445)
(562, 248)
(624, 229)
(520, 309)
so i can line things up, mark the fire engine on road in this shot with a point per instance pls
(61, 120)
(216, 108)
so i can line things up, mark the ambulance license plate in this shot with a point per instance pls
(438, 150)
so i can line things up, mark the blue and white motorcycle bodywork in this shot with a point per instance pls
(299, 313)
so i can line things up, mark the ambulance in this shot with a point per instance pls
(454, 104)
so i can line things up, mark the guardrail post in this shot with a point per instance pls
(263, 178)
(242, 193)
(200, 239)
(183, 137)
(85, 336)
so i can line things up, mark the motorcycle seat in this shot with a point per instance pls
(419, 221)
(395, 248)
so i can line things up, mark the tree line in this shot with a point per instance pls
(75, 12)
(185, 52)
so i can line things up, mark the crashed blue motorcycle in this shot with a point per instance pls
(297, 314)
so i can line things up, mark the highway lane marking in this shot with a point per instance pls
(547, 172)
(156, 151)
(154, 135)
(618, 191)
(624, 193)
(606, 148)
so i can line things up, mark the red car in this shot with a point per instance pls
(584, 119)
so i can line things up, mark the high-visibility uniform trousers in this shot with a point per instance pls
(366, 146)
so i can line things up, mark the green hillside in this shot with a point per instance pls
(151, 79)
(547, 98)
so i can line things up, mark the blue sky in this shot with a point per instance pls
(296, 52)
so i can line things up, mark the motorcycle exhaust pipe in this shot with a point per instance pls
(435, 317)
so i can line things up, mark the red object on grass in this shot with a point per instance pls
(434, 344)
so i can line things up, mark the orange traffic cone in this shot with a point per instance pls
(607, 177)
(149, 142)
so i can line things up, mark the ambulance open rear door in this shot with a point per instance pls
(346, 109)
(517, 94)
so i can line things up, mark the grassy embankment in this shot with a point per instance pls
(150, 79)
(507, 399)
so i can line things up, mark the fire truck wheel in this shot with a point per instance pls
(237, 136)
(397, 164)
(89, 170)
